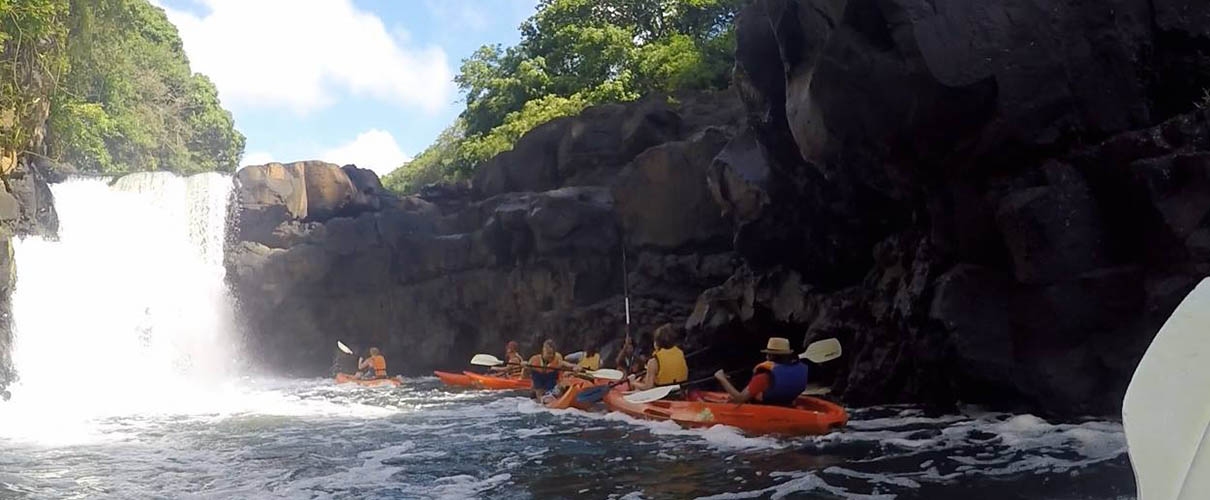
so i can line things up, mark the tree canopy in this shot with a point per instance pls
(122, 96)
(572, 54)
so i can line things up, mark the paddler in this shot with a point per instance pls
(372, 367)
(667, 364)
(625, 358)
(513, 357)
(779, 380)
(591, 360)
(543, 369)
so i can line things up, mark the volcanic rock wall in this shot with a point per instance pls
(994, 201)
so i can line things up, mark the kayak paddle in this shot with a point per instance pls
(344, 348)
(604, 373)
(820, 351)
(661, 392)
(1166, 413)
(597, 392)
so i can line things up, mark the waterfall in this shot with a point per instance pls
(129, 306)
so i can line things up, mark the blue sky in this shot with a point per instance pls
(348, 81)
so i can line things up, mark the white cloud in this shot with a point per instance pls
(299, 55)
(257, 158)
(373, 149)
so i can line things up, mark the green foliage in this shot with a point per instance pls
(430, 165)
(32, 34)
(129, 101)
(573, 54)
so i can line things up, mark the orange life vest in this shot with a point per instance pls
(379, 364)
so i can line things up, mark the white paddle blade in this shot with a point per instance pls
(822, 351)
(1167, 408)
(607, 374)
(344, 348)
(486, 360)
(650, 395)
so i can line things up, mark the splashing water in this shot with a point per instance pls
(127, 312)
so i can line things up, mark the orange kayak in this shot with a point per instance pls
(344, 378)
(568, 399)
(454, 379)
(498, 383)
(704, 409)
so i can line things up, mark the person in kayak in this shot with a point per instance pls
(591, 360)
(374, 366)
(511, 356)
(625, 358)
(779, 380)
(667, 364)
(543, 369)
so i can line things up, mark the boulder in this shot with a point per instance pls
(1054, 232)
(35, 203)
(663, 197)
(329, 190)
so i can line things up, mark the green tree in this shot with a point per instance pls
(129, 100)
(573, 54)
(32, 38)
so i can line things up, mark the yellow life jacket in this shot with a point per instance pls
(673, 369)
(591, 362)
(380, 365)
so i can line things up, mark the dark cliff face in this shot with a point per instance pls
(987, 201)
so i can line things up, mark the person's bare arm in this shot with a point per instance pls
(736, 396)
(648, 380)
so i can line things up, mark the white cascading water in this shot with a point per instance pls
(128, 311)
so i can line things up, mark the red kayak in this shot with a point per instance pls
(498, 383)
(344, 378)
(454, 379)
(704, 409)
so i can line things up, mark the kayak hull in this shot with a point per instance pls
(569, 397)
(810, 416)
(498, 383)
(344, 378)
(454, 379)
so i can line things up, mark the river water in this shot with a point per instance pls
(132, 386)
(313, 439)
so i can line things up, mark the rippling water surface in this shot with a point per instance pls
(313, 439)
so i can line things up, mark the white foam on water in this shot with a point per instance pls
(799, 482)
(975, 444)
(721, 437)
(464, 486)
